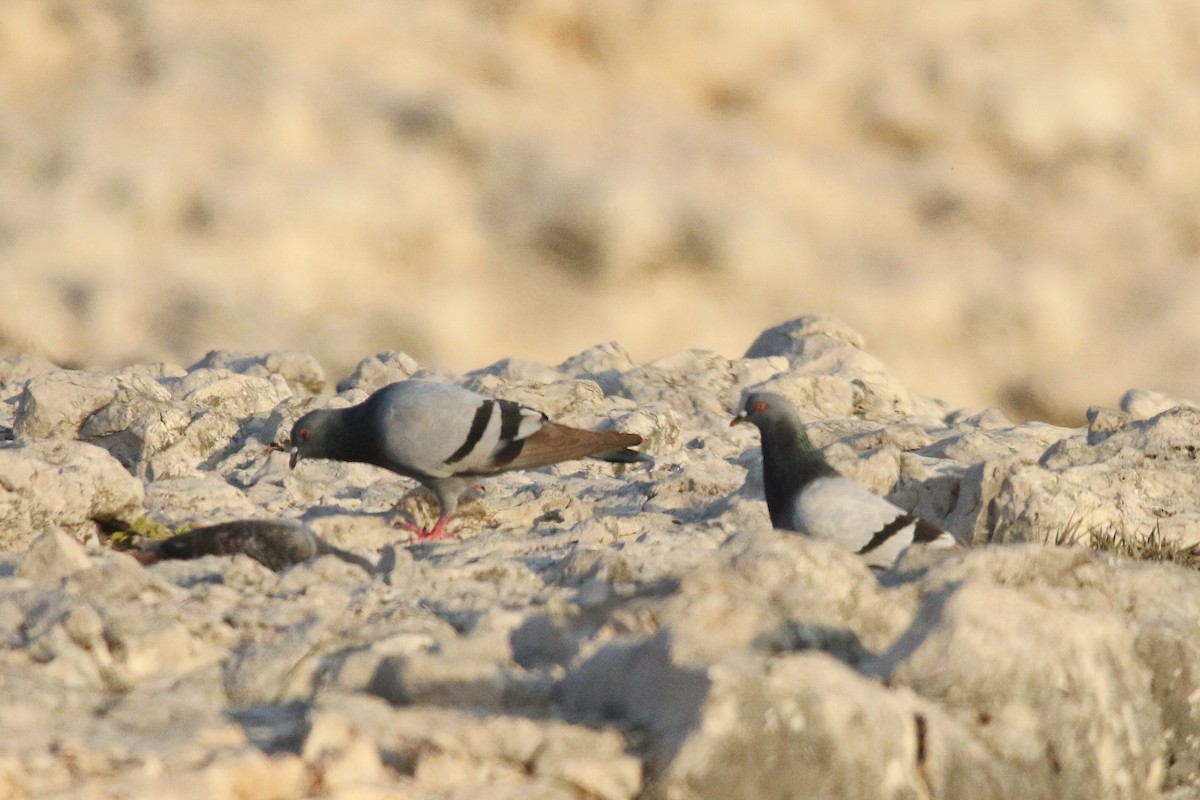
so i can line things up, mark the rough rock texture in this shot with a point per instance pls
(1008, 196)
(597, 631)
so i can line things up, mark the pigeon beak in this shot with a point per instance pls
(738, 420)
(295, 451)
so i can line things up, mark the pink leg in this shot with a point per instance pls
(438, 531)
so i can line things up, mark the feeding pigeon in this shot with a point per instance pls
(446, 437)
(806, 494)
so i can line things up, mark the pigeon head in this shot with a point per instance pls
(765, 408)
(313, 436)
(774, 416)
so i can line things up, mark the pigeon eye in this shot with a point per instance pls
(303, 434)
(760, 406)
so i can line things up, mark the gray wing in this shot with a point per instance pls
(436, 430)
(838, 509)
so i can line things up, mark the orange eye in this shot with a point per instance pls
(304, 434)
(760, 406)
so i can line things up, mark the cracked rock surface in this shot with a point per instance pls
(596, 631)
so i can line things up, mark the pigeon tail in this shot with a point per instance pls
(624, 456)
(553, 443)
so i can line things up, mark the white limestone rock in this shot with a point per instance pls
(73, 486)
(379, 370)
(302, 372)
(597, 630)
(56, 404)
(52, 555)
(603, 363)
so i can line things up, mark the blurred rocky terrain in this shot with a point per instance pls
(597, 631)
(1004, 200)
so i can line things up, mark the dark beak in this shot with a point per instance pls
(295, 451)
(738, 420)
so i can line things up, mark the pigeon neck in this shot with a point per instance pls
(790, 462)
(348, 437)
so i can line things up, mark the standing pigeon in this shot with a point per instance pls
(446, 436)
(806, 494)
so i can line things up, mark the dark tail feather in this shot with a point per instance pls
(624, 456)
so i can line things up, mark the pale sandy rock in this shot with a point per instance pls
(196, 501)
(603, 363)
(13, 782)
(759, 580)
(134, 436)
(696, 384)
(615, 631)
(1065, 703)
(988, 418)
(826, 732)
(910, 433)
(250, 773)
(280, 668)
(1146, 403)
(301, 371)
(693, 495)
(379, 370)
(447, 748)
(835, 378)
(1131, 477)
(790, 338)
(69, 485)
(18, 368)
(1026, 442)
(660, 429)
(150, 645)
(1160, 605)
(229, 392)
(814, 395)
(369, 532)
(877, 470)
(322, 572)
(52, 555)
(57, 404)
(340, 753)
(66, 636)
(518, 370)
(571, 402)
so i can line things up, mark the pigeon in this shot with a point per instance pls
(446, 437)
(806, 494)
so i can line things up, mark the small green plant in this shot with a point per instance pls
(1154, 546)
(127, 534)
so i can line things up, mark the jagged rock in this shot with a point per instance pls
(694, 383)
(603, 631)
(378, 371)
(1135, 478)
(59, 484)
(302, 372)
(17, 369)
(790, 338)
(1146, 403)
(59, 404)
(52, 555)
(604, 364)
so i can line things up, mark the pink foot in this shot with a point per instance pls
(438, 531)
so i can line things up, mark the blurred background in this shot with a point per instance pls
(1004, 198)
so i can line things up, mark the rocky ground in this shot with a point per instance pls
(1002, 198)
(596, 631)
